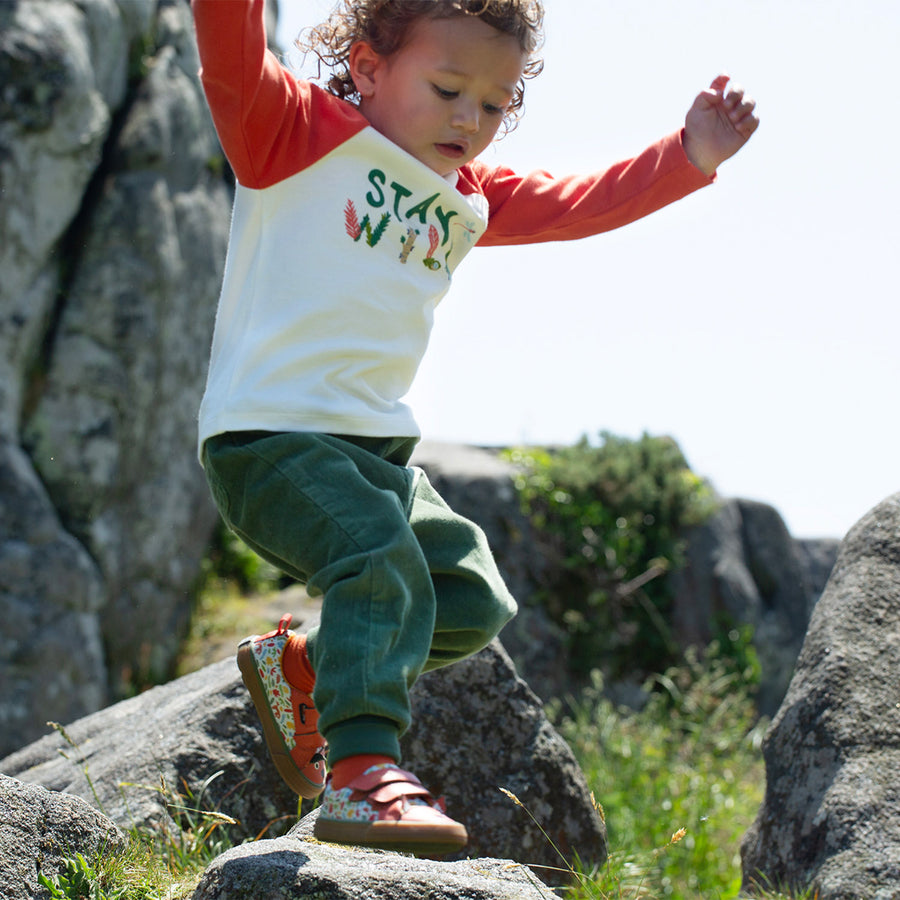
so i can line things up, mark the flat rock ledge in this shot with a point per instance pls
(295, 867)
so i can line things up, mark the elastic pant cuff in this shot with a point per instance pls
(363, 734)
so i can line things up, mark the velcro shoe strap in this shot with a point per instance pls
(388, 793)
(391, 790)
(384, 775)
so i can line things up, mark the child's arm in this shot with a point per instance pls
(538, 207)
(261, 112)
(718, 124)
(527, 209)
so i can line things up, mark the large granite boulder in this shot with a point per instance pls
(52, 662)
(744, 568)
(830, 820)
(137, 759)
(478, 729)
(39, 829)
(113, 228)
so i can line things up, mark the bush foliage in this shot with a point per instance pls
(611, 518)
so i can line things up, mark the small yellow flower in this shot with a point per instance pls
(678, 835)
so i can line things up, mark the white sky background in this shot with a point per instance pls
(756, 321)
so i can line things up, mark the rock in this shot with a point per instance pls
(111, 426)
(133, 757)
(38, 828)
(817, 559)
(113, 228)
(479, 728)
(51, 593)
(744, 568)
(830, 820)
(296, 867)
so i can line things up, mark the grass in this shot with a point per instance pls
(136, 874)
(159, 863)
(688, 763)
(152, 867)
(681, 780)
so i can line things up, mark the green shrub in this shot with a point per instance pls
(611, 519)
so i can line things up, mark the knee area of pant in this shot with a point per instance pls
(492, 613)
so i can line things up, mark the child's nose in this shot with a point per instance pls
(465, 117)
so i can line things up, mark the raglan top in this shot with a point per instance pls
(342, 244)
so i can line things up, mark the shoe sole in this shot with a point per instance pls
(415, 838)
(279, 754)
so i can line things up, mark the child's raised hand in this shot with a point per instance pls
(718, 124)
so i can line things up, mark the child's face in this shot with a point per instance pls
(442, 95)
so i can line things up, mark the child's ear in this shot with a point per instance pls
(364, 64)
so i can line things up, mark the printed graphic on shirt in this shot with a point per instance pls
(392, 211)
(356, 229)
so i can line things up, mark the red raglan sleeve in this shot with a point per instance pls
(538, 207)
(262, 113)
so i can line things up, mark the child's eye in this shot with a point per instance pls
(492, 110)
(445, 94)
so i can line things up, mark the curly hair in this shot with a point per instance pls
(385, 25)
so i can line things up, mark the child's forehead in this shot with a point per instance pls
(457, 43)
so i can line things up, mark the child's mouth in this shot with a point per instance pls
(454, 151)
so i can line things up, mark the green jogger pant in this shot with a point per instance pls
(407, 585)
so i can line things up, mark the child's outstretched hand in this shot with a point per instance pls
(718, 124)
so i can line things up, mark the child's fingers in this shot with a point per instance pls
(740, 107)
(734, 97)
(744, 119)
(719, 82)
(747, 124)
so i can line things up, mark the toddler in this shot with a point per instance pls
(354, 205)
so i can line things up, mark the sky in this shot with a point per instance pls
(757, 321)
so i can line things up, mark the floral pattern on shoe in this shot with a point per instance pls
(382, 792)
(267, 652)
(287, 714)
(337, 805)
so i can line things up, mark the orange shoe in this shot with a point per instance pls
(288, 716)
(388, 808)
